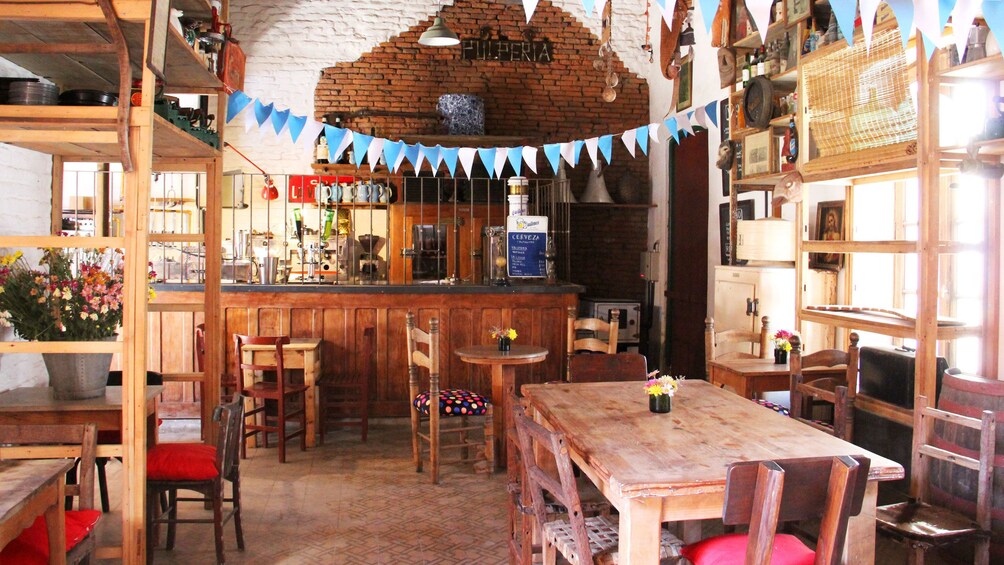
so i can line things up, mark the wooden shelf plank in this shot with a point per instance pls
(815, 246)
(898, 157)
(986, 146)
(886, 325)
(41, 241)
(61, 346)
(177, 238)
(988, 68)
(768, 180)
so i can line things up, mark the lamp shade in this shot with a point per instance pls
(438, 35)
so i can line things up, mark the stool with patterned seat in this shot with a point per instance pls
(454, 404)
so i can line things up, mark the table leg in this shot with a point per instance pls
(639, 531)
(859, 544)
(247, 357)
(503, 387)
(55, 522)
(310, 374)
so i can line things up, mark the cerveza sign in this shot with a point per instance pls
(506, 50)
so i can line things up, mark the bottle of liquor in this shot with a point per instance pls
(791, 137)
(321, 150)
(760, 63)
(747, 71)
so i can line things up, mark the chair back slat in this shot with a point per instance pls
(244, 368)
(230, 417)
(589, 368)
(754, 343)
(200, 347)
(840, 391)
(593, 344)
(766, 504)
(82, 436)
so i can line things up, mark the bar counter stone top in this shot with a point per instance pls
(562, 288)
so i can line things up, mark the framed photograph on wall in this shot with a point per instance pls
(744, 211)
(797, 10)
(829, 227)
(758, 155)
(156, 54)
(685, 85)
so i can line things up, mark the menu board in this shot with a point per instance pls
(526, 244)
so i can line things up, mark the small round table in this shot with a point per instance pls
(503, 365)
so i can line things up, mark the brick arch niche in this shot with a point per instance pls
(394, 88)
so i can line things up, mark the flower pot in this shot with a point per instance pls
(660, 403)
(780, 356)
(505, 343)
(76, 376)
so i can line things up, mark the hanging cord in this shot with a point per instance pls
(269, 191)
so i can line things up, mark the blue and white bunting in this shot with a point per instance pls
(845, 13)
(236, 103)
(674, 129)
(295, 124)
(592, 146)
(374, 151)
(391, 151)
(434, 156)
(569, 154)
(685, 122)
(262, 112)
(641, 136)
(500, 156)
(711, 109)
(467, 155)
(577, 150)
(515, 156)
(708, 10)
(903, 9)
(965, 11)
(606, 146)
(993, 13)
(553, 153)
(701, 117)
(414, 155)
(653, 131)
(530, 158)
(335, 136)
(448, 154)
(487, 155)
(628, 137)
(867, 10)
(529, 6)
(760, 12)
(279, 119)
(360, 144)
(588, 6)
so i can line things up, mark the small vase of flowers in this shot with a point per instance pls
(504, 337)
(660, 391)
(782, 345)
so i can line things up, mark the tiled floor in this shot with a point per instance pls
(349, 502)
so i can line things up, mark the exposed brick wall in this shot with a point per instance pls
(607, 243)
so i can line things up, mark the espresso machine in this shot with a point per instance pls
(321, 256)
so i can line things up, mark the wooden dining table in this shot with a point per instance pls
(750, 378)
(31, 488)
(300, 353)
(671, 467)
(503, 365)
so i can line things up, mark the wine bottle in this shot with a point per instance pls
(344, 157)
(321, 149)
(746, 71)
(760, 64)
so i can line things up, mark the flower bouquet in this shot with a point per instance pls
(660, 391)
(782, 345)
(504, 337)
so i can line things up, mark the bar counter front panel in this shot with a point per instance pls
(338, 314)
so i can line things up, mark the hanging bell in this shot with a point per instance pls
(687, 35)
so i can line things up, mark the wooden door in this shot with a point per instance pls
(452, 234)
(687, 278)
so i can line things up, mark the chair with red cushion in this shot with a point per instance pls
(763, 493)
(290, 397)
(454, 404)
(202, 468)
(32, 545)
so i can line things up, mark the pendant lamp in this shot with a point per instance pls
(438, 35)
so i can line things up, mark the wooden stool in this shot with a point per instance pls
(345, 397)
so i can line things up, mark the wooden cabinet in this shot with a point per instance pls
(745, 294)
(436, 242)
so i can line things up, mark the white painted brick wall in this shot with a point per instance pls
(27, 198)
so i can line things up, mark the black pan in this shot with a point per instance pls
(85, 97)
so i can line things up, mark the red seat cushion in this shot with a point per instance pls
(181, 462)
(730, 549)
(32, 546)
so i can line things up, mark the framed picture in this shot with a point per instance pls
(758, 155)
(829, 227)
(723, 123)
(744, 211)
(156, 53)
(685, 85)
(797, 10)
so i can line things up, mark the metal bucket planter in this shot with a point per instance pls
(76, 376)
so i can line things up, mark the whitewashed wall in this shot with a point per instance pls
(27, 201)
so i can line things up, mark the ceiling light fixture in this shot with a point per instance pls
(438, 35)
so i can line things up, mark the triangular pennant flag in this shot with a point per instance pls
(467, 155)
(588, 5)
(607, 146)
(360, 143)
(487, 155)
(312, 129)
(760, 12)
(592, 145)
(944, 9)
(262, 112)
(674, 129)
(335, 137)
(904, 18)
(279, 118)
(701, 117)
(449, 154)
(296, 124)
(993, 13)
(433, 155)
(515, 156)
(641, 136)
(711, 109)
(708, 10)
(401, 155)
(926, 18)
(667, 14)
(600, 4)
(867, 10)
(530, 158)
(962, 17)
(628, 138)
(391, 149)
(653, 131)
(568, 152)
(373, 152)
(845, 13)
(342, 145)
(414, 155)
(235, 103)
(250, 121)
(685, 123)
(500, 156)
(577, 150)
(529, 6)
(552, 151)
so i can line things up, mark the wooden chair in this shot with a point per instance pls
(228, 381)
(762, 493)
(579, 539)
(605, 368)
(453, 404)
(923, 526)
(838, 391)
(290, 397)
(79, 441)
(345, 396)
(201, 468)
(592, 344)
(718, 345)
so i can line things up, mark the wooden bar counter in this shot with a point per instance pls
(338, 314)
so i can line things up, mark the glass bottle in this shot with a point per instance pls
(746, 71)
(321, 150)
(760, 64)
(792, 155)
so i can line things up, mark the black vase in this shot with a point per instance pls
(660, 403)
(780, 356)
(504, 343)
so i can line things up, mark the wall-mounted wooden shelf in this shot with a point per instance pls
(989, 68)
(886, 325)
(815, 246)
(609, 205)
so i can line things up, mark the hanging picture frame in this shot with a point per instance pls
(685, 85)
(156, 52)
(797, 10)
(829, 227)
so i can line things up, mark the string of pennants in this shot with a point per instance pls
(302, 130)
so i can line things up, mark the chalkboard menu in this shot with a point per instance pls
(526, 244)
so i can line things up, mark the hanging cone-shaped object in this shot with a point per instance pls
(596, 187)
(562, 185)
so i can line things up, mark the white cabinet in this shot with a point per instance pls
(744, 294)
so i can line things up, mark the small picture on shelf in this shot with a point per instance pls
(797, 10)
(742, 23)
(758, 158)
(829, 227)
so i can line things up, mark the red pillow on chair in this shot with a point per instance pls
(730, 549)
(32, 546)
(181, 462)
